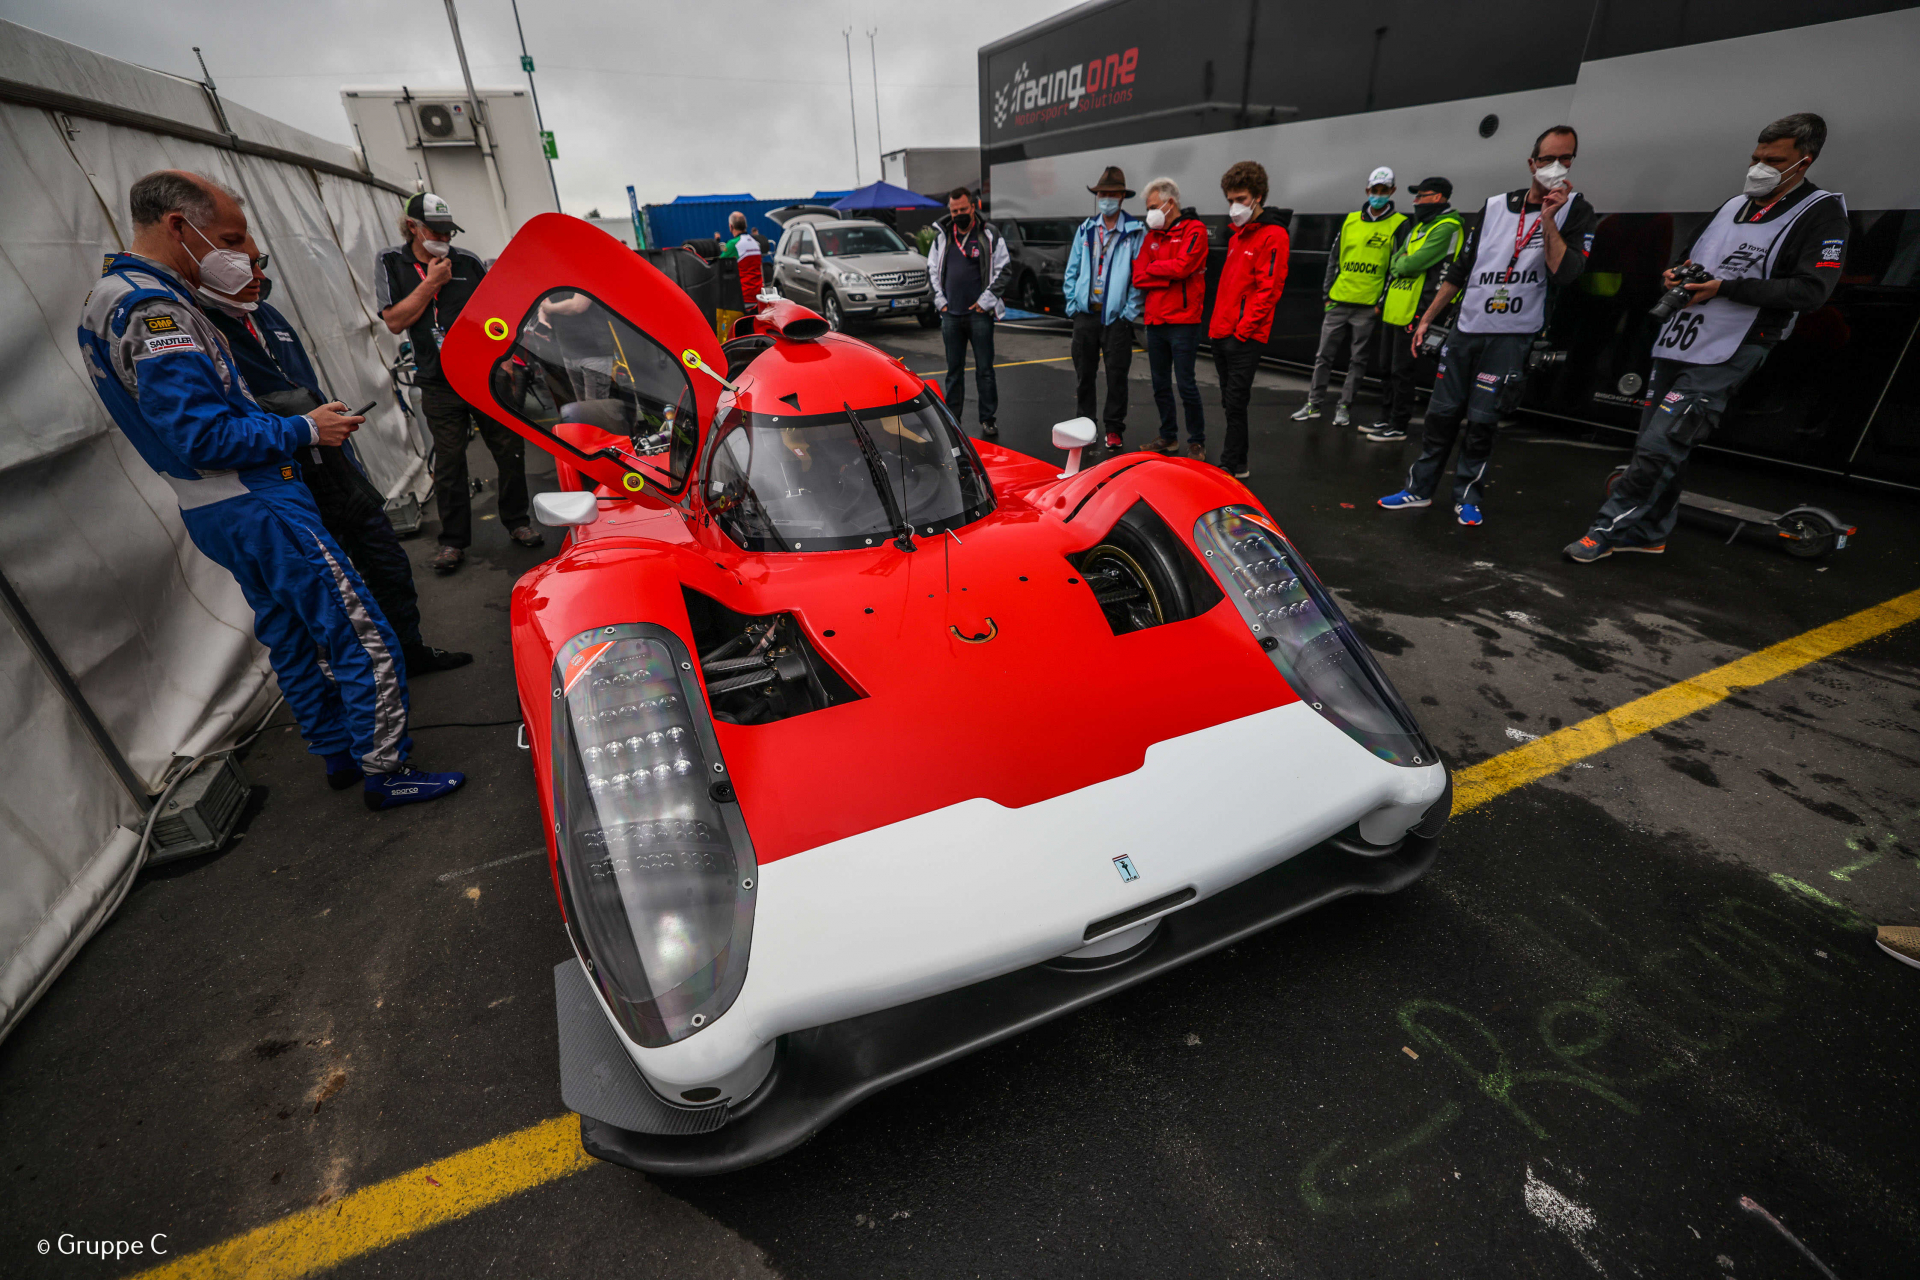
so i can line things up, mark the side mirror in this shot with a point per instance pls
(1073, 435)
(559, 509)
(807, 259)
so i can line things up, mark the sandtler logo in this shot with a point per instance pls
(1084, 86)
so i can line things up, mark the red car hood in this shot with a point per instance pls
(988, 668)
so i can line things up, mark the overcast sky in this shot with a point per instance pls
(675, 98)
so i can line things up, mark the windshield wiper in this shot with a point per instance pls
(877, 468)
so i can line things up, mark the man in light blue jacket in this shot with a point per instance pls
(1104, 302)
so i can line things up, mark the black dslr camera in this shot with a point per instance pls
(1542, 356)
(1677, 297)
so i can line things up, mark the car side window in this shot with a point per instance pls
(805, 244)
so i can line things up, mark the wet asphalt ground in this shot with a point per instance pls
(1610, 1012)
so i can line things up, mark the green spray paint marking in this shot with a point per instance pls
(1845, 873)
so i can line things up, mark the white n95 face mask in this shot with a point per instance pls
(1156, 219)
(1239, 214)
(1550, 176)
(1763, 179)
(225, 271)
(438, 248)
(232, 306)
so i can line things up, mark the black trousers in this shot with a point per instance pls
(1406, 374)
(1684, 404)
(1235, 361)
(447, 418)
(1092, 343)
(352, 511)
(1481, 377)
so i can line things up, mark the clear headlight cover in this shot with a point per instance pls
(655, 864)
(1305, 634)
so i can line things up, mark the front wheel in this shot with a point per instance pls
(1027, 294)
(830, 308)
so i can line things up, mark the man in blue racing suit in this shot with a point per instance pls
(168, 379)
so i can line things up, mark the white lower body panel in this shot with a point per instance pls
(975, 890)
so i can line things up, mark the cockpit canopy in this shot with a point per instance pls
(840, 480)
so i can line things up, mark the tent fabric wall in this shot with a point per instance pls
(158, 638)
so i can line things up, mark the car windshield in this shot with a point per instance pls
(1048, 230)
(851, 242)
(784, 482)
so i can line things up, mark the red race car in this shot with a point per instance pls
(862, 745)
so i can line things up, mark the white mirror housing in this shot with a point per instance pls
(1073, 435)
(560, 508)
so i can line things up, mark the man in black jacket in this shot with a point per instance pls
(1774, 251)
(423, 284)
(282, 378)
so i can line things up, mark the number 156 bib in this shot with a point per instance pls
(1729, 249)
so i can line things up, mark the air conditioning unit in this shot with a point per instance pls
(443, 122)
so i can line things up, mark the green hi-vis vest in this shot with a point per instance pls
(1365, 248)
(1403, 292)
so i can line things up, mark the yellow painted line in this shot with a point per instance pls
(311, 1241)
(1480, 783)
(327, 1235)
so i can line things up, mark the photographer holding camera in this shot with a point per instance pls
(1529, 244)
(1770, 253)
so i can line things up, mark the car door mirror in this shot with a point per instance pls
(807, 260)
(1073, 435)
(561, 508)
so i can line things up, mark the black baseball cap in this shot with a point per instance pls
(1440, 185)
(431, 209)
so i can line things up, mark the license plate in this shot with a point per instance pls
(893, 302)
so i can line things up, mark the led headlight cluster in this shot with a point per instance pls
(1307, 637)
(656, 867)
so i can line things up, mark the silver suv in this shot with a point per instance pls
(852, 268)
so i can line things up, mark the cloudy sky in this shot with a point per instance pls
(675, 98)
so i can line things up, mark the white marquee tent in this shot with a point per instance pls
(123, 650)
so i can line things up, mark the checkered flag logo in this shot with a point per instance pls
(1005, 96)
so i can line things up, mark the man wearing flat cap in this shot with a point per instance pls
(1104, 303)
(424, 282)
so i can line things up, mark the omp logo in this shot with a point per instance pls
(1101, 81)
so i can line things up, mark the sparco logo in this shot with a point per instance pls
(1092, 85)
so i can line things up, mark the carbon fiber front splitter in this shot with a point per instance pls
(824, 1070)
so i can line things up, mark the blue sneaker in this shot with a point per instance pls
(407, 785)
(342, 770)
(1469, 513)
(1405, 500)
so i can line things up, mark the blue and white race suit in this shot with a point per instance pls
(169, 381)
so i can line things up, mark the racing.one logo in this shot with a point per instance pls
(1101, 81)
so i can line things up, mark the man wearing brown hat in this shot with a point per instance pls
(1103, 301)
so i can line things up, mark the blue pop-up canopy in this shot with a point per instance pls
(884, 195)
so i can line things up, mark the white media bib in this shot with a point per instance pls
(1730, 250)
(1507, 292)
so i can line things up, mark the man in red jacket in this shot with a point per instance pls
(1250, 284)
(1172, 271)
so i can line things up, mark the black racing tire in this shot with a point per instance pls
(1026, 294)
(1813, 536)
(929, 318)
(836, 315)
(1127, 556)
